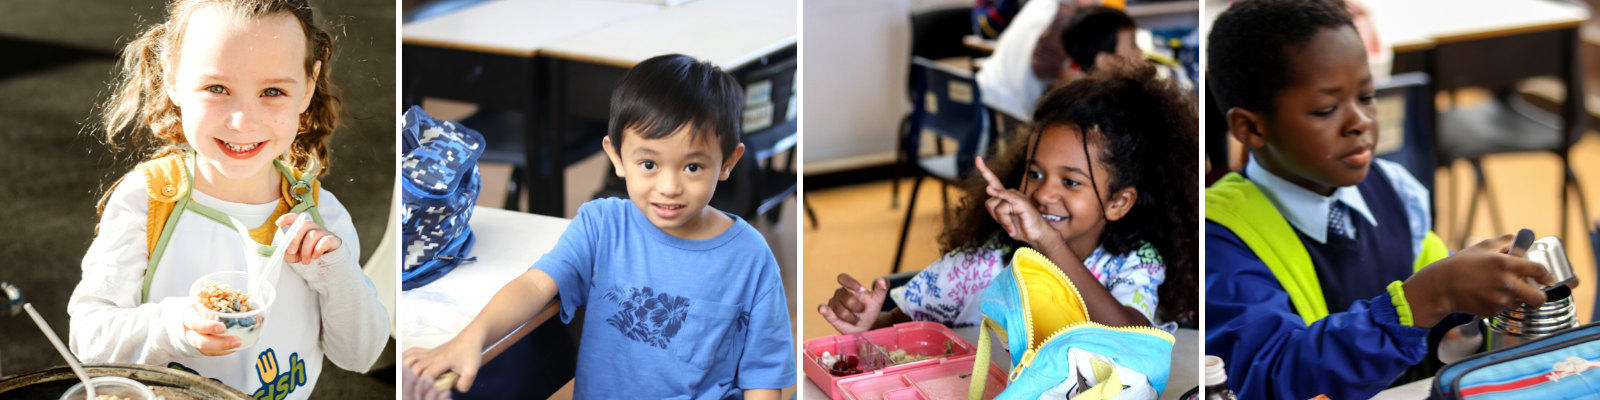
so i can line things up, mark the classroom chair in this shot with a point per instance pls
(757, 186)
(936, 34)
(504, 141)
(948, 105)
(1508, 123)
(1406, 133)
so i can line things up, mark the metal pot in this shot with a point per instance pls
(1526, 323)
(173, 384)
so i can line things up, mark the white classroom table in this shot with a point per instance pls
(1411, 391)
(519, 28)
(1421, 24)
(508, 242)
(729, 33)
(1185, 372)
(1411, 25)
(667, 3)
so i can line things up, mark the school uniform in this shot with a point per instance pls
(1303, 291)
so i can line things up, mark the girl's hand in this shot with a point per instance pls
(854, 309)
(459, 355)
(203, 333)
(1017, 214)
(313, 242)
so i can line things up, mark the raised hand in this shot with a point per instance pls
(854, 308)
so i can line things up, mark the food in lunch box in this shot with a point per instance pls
(109, 397)
(842, 364)
(220, 297)
(901, 357)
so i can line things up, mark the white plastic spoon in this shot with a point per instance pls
(276, 262)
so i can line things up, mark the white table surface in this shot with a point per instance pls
(1185, 373)
(729, 33)
(654, 2)
(508, 242)
(519, 28)
(1413, 24)
(1411, 391)
(1419, 24)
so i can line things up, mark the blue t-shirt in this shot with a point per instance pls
(669, 317)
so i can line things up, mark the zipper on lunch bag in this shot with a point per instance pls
(1455, 384)
(1027, 318)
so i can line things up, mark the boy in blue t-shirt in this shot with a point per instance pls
(683, 300)
(1322, 276)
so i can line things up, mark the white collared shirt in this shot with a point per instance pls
(1308, 211)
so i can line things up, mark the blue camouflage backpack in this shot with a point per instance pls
(440, 182)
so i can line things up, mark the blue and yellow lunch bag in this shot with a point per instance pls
(1056, 352)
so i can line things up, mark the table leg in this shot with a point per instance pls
(544, 145)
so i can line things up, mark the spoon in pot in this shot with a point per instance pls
(72, 361)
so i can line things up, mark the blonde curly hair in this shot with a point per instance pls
(140, 107)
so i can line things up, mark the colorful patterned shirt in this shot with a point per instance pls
(947, 291)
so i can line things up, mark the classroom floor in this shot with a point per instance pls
(1527, 187)
(856, 234)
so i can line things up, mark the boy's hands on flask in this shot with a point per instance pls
(313, 242)
(1018, 215)
(853, 308)
(205, 334)
(1481, 280)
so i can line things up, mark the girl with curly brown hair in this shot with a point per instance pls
(1106, 187)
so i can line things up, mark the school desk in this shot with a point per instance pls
(508, 243)
(1165, 14)
(1411, 391)
(736, 35)
(488, 54)
(569, 73)
(1487, 43)
(1185, 373)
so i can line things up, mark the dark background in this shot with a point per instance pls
(56, 63)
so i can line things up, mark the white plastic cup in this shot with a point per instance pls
(111, 386)
(246, 325)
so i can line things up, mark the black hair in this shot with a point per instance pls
(1147, 130)
(667, 92)
(1252, 42)
(1093, 30)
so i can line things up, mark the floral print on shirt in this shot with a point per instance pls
(947, 291)
(647, 316)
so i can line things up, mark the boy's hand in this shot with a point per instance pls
(1017, 214)
(854, 309)
(313, 242)
(203, 333)
(459, 355)
(1480, 280)
(420, 387)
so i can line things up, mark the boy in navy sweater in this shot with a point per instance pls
(1322, 276)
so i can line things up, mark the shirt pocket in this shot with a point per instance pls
(704, 340)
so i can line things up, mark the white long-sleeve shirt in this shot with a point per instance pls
(327, 307)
